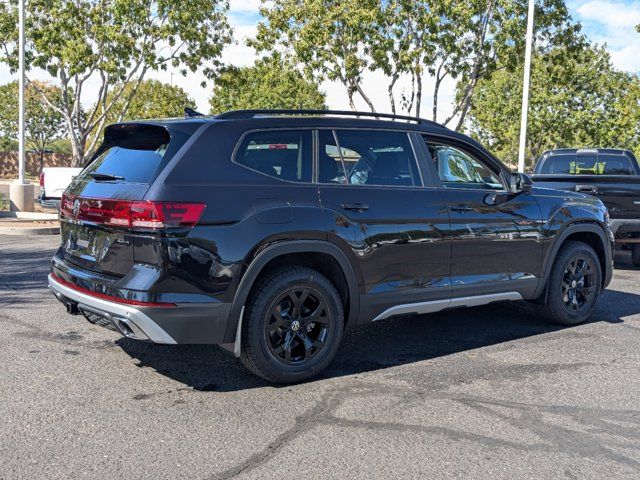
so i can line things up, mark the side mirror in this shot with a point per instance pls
(520, 183)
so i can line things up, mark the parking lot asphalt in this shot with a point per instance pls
(489, 392)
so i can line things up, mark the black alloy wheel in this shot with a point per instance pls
(297, 325)
(578, 285)
(574, 284)
(292, 325)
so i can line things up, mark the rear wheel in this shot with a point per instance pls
(574, 284)
(635, 255)
(292, 326)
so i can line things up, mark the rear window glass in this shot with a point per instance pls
(603, 164)
(282, 154)
(135, 153)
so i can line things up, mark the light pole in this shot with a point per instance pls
(21, 190)
(525, 87)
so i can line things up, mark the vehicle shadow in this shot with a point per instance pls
(381, 345)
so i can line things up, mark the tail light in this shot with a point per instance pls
(133, 214)
(42, 181)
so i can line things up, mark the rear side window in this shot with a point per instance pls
(603, 164)
(367, 157)
(282, 154)
(135, 152)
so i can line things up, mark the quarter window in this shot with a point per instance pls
(283, 154)
(367, 157)
(458, 169)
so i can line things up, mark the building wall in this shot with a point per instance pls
(9, 163)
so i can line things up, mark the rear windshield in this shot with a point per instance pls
(603, 164)
(135, 152)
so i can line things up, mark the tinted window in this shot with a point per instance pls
(615, 164)
(136, 152)
(603, 164)
(367, 157)
(283, 154)
(458, 169)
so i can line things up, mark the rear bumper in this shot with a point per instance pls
(49, 202)
(625, 230)
(181, 324)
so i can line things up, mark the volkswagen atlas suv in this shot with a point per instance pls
(270, 232)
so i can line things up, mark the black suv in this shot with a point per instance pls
(268, 232)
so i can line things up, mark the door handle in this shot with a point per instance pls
(587, 188)
(460, 208)
(357, 207)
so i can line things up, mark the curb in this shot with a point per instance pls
(30, 231)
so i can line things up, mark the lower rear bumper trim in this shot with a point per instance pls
(140, 325)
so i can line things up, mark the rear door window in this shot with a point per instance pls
(367, 157)
(282, 154)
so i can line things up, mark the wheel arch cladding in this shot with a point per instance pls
(590, 233)
(322, 256)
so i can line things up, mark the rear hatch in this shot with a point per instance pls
(96, 208)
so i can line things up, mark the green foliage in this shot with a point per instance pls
(463, 41)
(326, 37)
(62, 145)
(43, 125)
(153, 99)
(577, 99)
(115, 44)
(269, 83)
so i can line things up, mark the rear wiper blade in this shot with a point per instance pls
(105, 176)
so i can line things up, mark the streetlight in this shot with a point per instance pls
(525, 87)
(21, 190)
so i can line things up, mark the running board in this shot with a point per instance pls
(438, 305)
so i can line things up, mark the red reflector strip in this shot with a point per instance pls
(131, 214)
(110, 298)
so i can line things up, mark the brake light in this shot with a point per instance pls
(146, 215)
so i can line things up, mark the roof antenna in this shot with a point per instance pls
(190, 112)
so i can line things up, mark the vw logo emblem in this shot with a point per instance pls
(295, 326)
(76, 207)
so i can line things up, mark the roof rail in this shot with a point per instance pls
(245, 114)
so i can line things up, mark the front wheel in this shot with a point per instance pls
(292, 327)
(574, 284)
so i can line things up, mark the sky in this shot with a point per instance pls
(607, 22)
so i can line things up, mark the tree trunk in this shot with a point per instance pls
(365, 98)
(392, 100)
(352, 105)
(418, 95)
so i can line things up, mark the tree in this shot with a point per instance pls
(43, 125)
(114, 44)
(462, 41)
(577, 99)
(326, 38)
(269, 83)
(153, 99)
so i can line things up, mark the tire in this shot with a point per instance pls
(277, 348)
(635, 255)
(574, 284)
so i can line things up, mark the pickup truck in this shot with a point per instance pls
(611, 175)
(53, 182)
